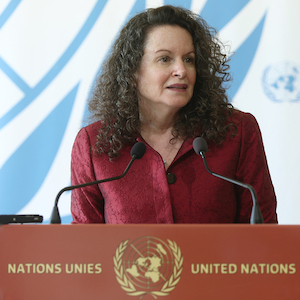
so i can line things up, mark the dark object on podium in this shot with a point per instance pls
(7, 219)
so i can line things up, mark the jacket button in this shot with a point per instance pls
(171, 178)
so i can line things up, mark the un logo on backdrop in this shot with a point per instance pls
(281, 82)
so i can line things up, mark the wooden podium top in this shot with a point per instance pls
(149, 262)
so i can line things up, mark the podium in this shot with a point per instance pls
(175, 261)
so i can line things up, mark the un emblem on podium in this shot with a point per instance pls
(148, 265)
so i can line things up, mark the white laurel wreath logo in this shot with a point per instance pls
(128, 287)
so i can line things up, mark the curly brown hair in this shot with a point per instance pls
(114, 100)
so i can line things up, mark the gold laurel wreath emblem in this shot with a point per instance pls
(127, 285)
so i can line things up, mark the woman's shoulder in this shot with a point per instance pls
(88, 134)
(91, 129)
(239, 116)
(244, 121)
(248, 130)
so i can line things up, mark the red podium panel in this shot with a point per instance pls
(149, 262)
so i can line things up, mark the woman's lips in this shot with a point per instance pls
(178, 87)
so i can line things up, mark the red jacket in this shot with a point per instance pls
(144, 195)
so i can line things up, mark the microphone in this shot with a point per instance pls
(137, 152)
(200, 147)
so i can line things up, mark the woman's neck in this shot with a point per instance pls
(157, 121)
(157, 131)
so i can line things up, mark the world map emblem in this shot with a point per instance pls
(148, 266)
(281, 82)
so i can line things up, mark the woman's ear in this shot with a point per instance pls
(136, 75)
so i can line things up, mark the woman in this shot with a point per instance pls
(164, 85)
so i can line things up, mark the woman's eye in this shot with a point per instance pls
(165, 59)
(190, 60)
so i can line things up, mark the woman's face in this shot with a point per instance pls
(167, 73)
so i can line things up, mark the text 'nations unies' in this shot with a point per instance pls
(55, 268)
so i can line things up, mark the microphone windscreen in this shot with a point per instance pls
(138, 150)
(200, 145)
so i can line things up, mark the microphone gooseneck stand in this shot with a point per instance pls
(200, 147)
(137, 152)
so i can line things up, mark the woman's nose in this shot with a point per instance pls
(179, 69)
